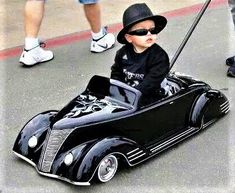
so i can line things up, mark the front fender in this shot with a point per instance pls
(115, 145)
(59, 167)
(37, 126)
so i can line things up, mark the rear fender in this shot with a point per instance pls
(207, 107)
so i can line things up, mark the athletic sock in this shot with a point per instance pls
(31, 43)
(98, 35)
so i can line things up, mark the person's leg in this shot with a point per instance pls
(33, 15)
(101, 40)
(232, 6)
(92, 13)
(231, 60)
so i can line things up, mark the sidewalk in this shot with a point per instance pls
(66, 17)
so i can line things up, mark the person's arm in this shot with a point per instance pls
(116, 69)
(158, 69)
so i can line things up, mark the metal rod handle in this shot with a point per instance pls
(189, 33)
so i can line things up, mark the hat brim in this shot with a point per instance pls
(160, 24)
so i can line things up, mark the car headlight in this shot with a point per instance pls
(33, 141)
(68, 159)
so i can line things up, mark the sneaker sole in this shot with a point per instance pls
(31, 65)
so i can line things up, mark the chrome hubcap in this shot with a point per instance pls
(107, 168)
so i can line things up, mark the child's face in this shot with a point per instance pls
(142, 42)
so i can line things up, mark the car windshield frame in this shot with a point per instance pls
(113, 89)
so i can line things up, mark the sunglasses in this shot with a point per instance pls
(143, 32)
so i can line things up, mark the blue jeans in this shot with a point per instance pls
(232, 5)
(88, 1)
(81, 1)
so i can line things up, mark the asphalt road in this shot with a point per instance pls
(204, 163)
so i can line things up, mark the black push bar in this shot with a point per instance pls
(189, 33)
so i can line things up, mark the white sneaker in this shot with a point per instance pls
(103, 44)
(35, 55)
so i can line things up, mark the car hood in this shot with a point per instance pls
(88, 109)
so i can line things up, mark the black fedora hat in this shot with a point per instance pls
(136, 13)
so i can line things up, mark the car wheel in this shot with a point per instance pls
(107, 168)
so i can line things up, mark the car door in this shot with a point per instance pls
(155, 123)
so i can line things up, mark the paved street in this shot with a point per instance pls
(204, 163)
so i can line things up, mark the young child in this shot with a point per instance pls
(141, 63)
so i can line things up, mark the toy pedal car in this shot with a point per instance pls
(105, 125)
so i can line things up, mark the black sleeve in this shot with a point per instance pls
(116, 68)
(157, 70)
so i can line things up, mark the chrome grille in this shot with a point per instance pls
(54, 141)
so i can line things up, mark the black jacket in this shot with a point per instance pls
(145, 71)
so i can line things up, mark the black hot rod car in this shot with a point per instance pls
(105, 125)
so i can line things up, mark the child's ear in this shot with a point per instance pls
(128, 38)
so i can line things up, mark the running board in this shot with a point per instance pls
(174, 140)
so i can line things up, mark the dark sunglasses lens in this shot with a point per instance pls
(139, 32)
(143, 32)
(153, 31)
